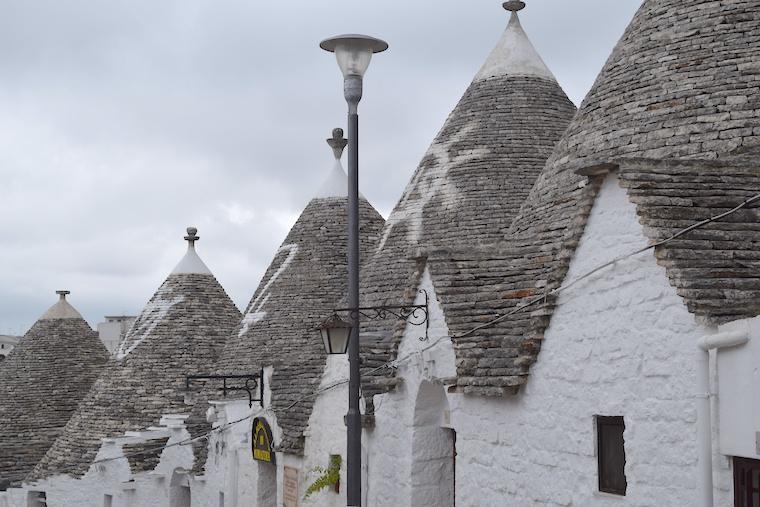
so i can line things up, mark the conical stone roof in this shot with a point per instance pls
(180, 332)
(305, 282)
(41, 383)
(473, 179)
(681, 84)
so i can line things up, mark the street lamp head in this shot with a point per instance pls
(335, 334)
(353, 52)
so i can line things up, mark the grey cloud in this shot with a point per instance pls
(122, 122)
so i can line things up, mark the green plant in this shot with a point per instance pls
(328, 477)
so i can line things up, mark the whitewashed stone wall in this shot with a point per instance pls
(228, 454)
(404, 443)
(114, 478)
(620, 343)
(231, 478)
(388, 449)
(231, 472)
(326, 434)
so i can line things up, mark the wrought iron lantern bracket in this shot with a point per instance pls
(253, 385)
(416, 315)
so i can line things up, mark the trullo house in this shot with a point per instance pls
(41, 383)
(465, 193)
(592, 287)
(304, 283)
(572, 334)
(570, 363)
(138, 404)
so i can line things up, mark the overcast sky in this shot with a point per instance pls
(123, 122)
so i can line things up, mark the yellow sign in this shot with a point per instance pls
(262, 443)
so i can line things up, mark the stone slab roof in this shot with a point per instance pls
(680, 84)
(467, 190)
(180, 332)
(305, 282)
(143, 457)
(714, 268)
(41, 383)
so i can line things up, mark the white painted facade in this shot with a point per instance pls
(231, 477)
(112, 481)
(113, 330)
(621, 343)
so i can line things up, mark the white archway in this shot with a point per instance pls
(433, 452)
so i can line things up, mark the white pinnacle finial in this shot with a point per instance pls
(191, 263)
(514, 55)
(61, 309)
(336, 183)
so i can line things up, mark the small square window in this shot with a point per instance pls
(107, 500)
(611, 455)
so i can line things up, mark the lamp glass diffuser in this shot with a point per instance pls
(336, 334)
(354, 52)
(353, 59)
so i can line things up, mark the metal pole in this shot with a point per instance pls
(353, 90)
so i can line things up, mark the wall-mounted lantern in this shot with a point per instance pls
(335, 334)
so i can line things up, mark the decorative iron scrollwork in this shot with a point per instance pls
(252, 382)
(416, 315)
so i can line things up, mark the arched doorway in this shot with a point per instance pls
(433, 449)
(179, 489)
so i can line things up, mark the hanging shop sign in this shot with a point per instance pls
(262, 441)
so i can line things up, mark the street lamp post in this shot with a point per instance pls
(354, 53)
